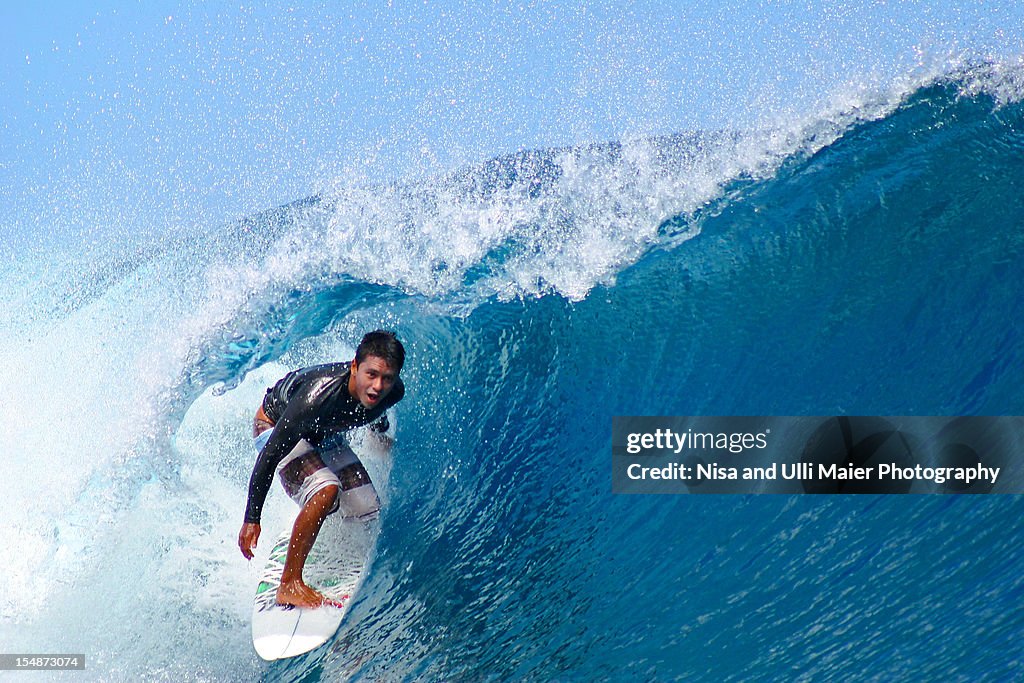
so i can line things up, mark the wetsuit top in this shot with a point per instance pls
(313, 404)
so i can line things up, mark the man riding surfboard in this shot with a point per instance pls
(299, 433)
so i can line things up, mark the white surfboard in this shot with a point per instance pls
(335, 567)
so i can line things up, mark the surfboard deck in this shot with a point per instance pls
(335, 567)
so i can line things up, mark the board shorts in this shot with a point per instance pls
(307, 470)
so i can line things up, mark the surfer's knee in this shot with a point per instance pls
(327, 497)
(321, 502)
(321, 485)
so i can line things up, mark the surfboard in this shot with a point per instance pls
(335, 567)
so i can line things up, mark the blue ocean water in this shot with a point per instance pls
(867, 260)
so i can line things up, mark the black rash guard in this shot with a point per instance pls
(313, 404)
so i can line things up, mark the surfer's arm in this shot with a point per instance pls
(380, 433)
(287, 433)
(381, 427)
(259, 483)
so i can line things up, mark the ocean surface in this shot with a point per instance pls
(865, 260)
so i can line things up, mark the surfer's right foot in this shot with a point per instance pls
(299, 594)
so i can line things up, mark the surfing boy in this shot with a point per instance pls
(299, 432)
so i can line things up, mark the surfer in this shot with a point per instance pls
(299, 432)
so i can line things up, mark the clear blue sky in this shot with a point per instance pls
(145, 115)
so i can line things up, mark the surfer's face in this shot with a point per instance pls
(371, 381)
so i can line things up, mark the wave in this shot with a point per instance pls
(864, 261)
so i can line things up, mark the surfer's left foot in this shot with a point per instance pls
(299, 594)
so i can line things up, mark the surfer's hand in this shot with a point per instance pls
(247, 538)
(380, 443)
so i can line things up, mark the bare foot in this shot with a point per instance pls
(299, 594)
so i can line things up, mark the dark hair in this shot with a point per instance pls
(383, 344)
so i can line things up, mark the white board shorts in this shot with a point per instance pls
(360, 502)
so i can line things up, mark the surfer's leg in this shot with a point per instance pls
(293, 590)
(315, 489)
(321, 482)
